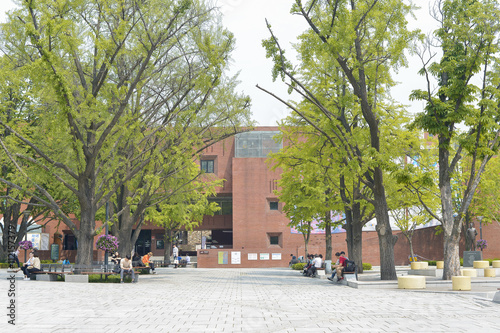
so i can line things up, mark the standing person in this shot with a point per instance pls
(146, 260)
(188, 259)
(15, 257)
(126, 268)
(175, 252)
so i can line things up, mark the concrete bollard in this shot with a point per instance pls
(440, 264)
(328, 267)
(460, 283)
(490, 272)
(469, 272)
(481, 264)
(419, 265)
(495, 263)
(411, 282)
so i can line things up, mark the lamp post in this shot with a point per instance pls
(106, 233)
(26, 216)
(480, 218)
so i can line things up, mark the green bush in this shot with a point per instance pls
(367, 266)
(299, 266)
(96, 278)
(5, 265)
(431, 262)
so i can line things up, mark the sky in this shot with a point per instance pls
(246, 20)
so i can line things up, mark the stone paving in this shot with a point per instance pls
(239, 300)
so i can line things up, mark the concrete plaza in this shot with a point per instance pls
(241, 300)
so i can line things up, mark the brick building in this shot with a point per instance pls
(251, 230)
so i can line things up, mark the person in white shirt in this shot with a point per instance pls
(175, 252)
(126, 268)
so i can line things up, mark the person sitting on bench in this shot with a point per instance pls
(146, 260)
(334, 267)
(316, 263)
(33, 265)
(340, 267)
(126, 268)
(136, 260)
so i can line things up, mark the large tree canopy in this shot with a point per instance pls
(116, 86)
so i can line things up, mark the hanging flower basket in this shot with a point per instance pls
(26, 245)
(107, 243)
(482, 244)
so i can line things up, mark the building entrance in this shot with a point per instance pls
(143, 243)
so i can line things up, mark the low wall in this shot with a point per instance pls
(247, 258)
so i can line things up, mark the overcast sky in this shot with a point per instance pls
(246, 19)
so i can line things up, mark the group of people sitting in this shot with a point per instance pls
(126, 265)
(314, 261)
(32, 264)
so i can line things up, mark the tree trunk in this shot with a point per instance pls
(328, 236)
(167, 240)
(354, 235)
(384, 231)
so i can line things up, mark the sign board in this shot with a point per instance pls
(264, 256)
(252, 256)
(223, 257)
(54, 251)
(235, 257)
(470, 257)
(203, 252)
(276, 256)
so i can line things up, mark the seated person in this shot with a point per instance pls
(308, 265)
(316, 263)
(34, 266)
(334, 266)
(126, 268)
(293, 261)
(115, 259)
(65, 261)
(137, 261)
(146, 260)
(341, 266)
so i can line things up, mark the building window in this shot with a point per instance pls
(273, 205)
(207, 166)
(275, 239)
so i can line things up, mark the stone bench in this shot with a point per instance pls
(489, 272)
(79, 278)
(411, 282)
(419, 265)
(460, 283)
(481, 264)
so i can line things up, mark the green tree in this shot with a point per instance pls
(462, 112)
(364, 41)
(101, 74)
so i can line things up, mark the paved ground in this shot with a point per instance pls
(239, 300)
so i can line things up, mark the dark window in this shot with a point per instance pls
(273, 205)
(274, 240)
(207, 166)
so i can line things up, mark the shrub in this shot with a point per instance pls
(299, 266)
(96, 278)
(367, 266)
(431, 262)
